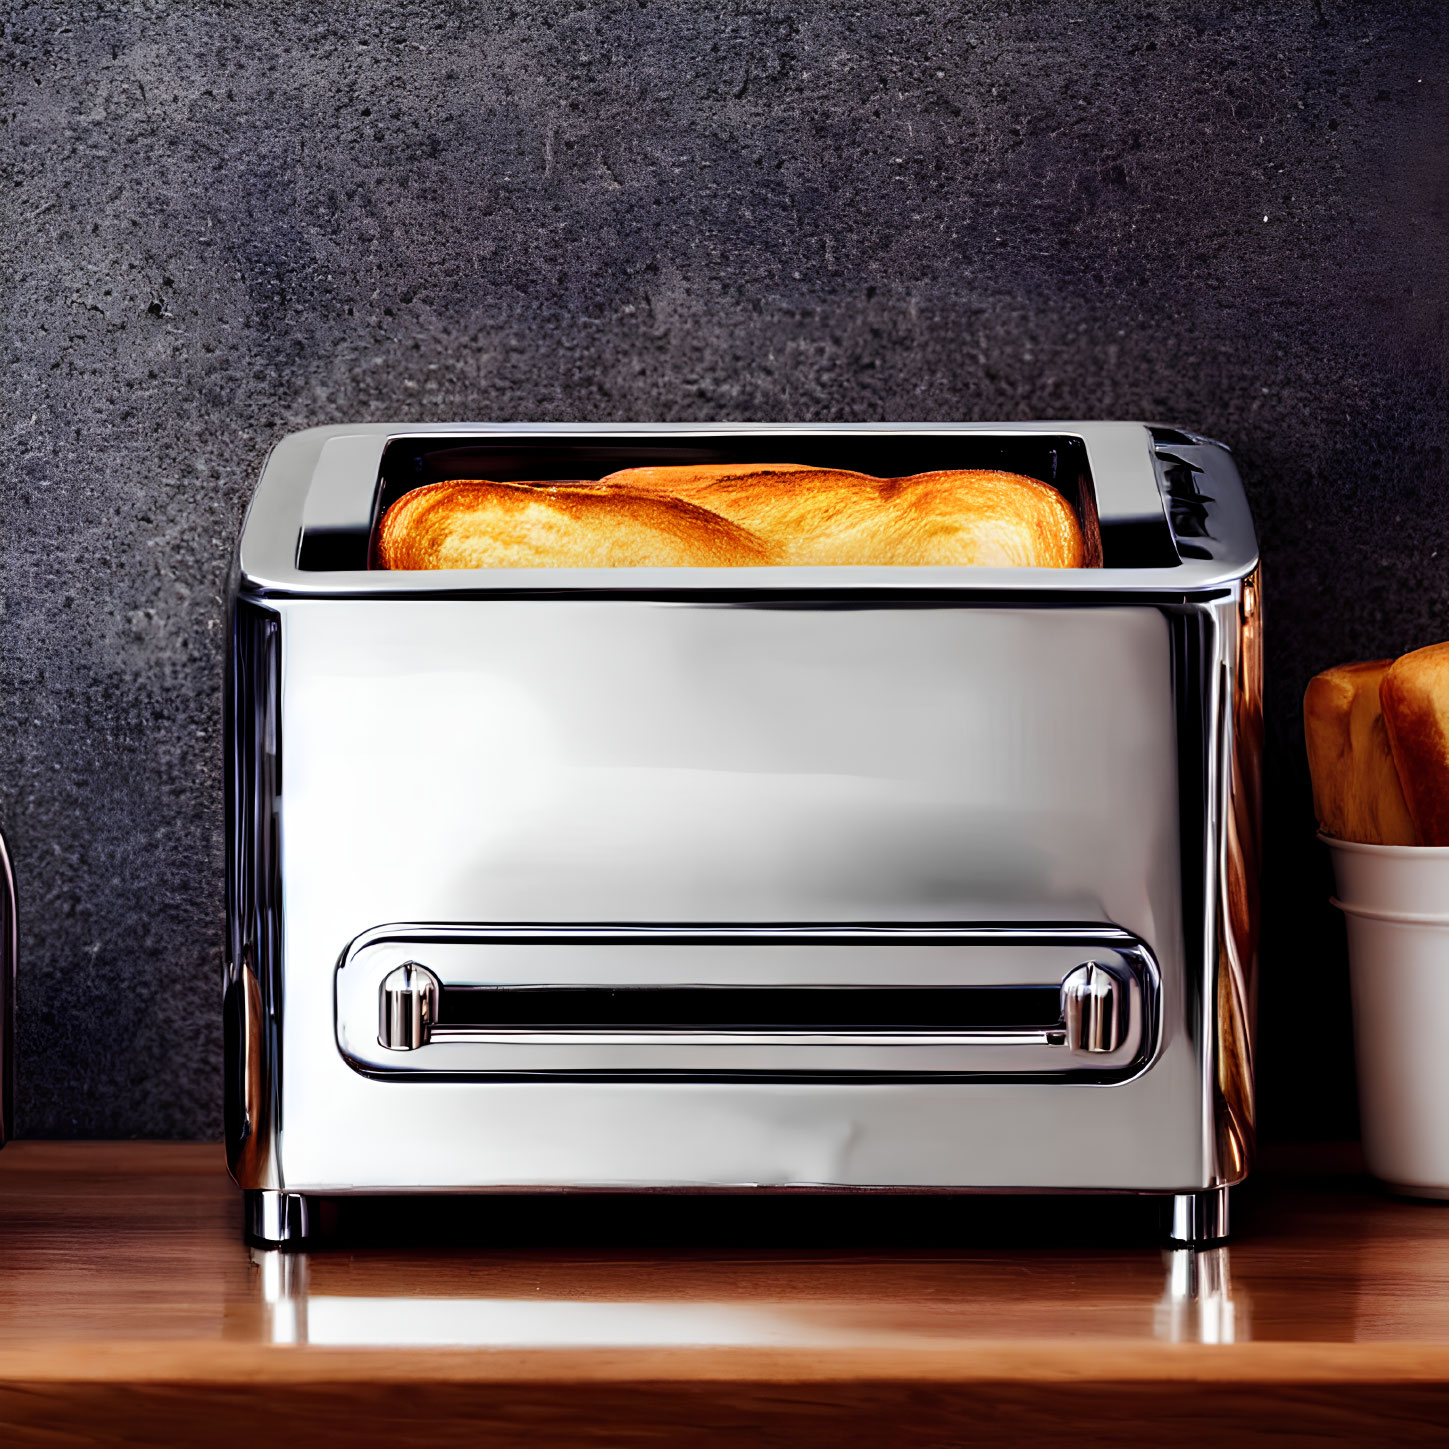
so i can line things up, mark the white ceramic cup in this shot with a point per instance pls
(1395, 899)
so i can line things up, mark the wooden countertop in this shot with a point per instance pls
(130, 1312)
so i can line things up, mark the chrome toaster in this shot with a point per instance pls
(914, 879)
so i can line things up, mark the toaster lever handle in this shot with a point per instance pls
(408, 1007)
(1094, 1008)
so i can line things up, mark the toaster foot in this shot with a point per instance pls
(275, 1219)
(1199, 1218)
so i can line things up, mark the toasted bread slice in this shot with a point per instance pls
(1415, 698)
(476, 524)
(991, 519)
(1356, 790)
(829, 516)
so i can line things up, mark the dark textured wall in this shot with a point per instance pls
(225, 221)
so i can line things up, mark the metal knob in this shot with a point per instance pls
(408, 1007)
(1094, 1007)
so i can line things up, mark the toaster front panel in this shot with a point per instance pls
(587, 763)
(619, 761)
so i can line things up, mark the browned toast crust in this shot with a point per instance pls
(1415, 698)
(1356, 789)
(829, 516)
(729, 515)
(476, 524)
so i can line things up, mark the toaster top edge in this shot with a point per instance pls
(1170, 498)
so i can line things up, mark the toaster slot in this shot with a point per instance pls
(414, 462)
(758, 1009)
(1122, 530)
(773, 1003)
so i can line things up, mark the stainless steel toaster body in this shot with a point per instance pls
(830, 878)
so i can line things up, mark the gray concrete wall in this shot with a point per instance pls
(225, 221)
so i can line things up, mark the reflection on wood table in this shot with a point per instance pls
(130, 1311)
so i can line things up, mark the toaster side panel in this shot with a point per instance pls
(576, 761)
(252, 971)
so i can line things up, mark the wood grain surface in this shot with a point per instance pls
(131, 1313)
